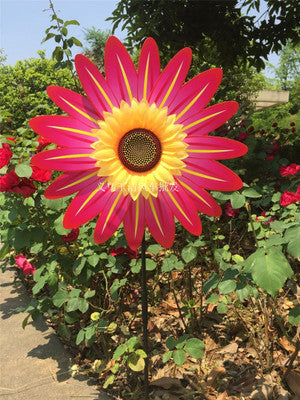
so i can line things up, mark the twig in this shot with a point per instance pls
(292, 359)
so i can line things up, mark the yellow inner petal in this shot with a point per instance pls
(139, 116)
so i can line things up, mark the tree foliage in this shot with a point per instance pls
(23, 88)
(96, 39)
(237, 37)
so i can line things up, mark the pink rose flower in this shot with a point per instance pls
(231, 212)
(289, 170)
(24, 265)
(288, 198)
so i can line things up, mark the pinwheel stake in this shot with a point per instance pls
(145, 318)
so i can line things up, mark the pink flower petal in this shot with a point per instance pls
(183, 208)
(120, 71)
(112, 215)
(149, 68)
(75, 105)
(72, 182)
(171, 78)
(210, 119)
(195, 94)
(65, 159)
(212, 147)
(203, 201)
(88, 203)
(212, 175)
(160, 221)
(134, 223)
(63, 130)
(94, 84)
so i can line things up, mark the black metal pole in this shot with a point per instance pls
(145, 318)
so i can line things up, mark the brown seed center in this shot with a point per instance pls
(139, 150)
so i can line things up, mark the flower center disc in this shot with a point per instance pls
(139, 150)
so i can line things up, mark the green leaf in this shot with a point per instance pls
(25, 321)
(179, 357)
(150, 264)
(222, 308)
(237, 200)
(243, 290)
(227, 286)
(89, 293)
(292, 235)
(181, 341)
(171, 263)
(64, 331)
(120, 350)
(171, 343)
(211, 282)
(114, 289)
(269, 269)
(250, 192)
(109, 381)
(54, 204)
(60, 298)
(58, 226)
(78, 265)
(36, 248)
(93, 260)
(136, 362)
(76, 41)
(154, 248)
(71, 22)
(189, 253)
(194, 347)
(23, 170)
(166, 357)
(5, 249)
(294, 316)
(39, 285)
(213, 298)
(73, 304)
(80, 336)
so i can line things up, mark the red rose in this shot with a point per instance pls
(8, 181)
(116, 251)
(121, 250)
(25, 187)
(289, 170)
(11, 183)
(293, 130)
(251, 128)
(73, 235)
(12, 139)
(43, 142)
(5, 154)
(271, 150)
(262, 131)
(40, 174)
(132, 253)
(231, 212)
(274, 124)
(292, 124)
(23, 263)
(242, 136)
(288, 198)
(263, 214)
